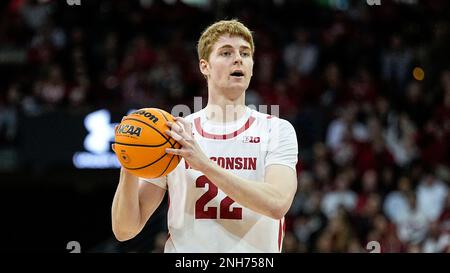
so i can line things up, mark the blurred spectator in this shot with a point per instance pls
(400, 139)
(342, 131)
(301, 55)
(334, 88)
(340, 230)
(413, 227)
(78, 94)
(437, 241)
(414, 103)
(369, 186)
(385, 233)
(36, 12)
(444, 218)
(431, 196)
(354, 246)
(396, 204)
(364, 220)
(309, 225)
(165, 77)
(266, 68)
(342, 195)
(322, 168)
(50, 35)
(9, 116)
(396, 61)
(362, 88)
(305, 188)
(51, 90)
(290, 244)
(324, 243)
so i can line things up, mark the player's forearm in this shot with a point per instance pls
(258, 196)
(125, 208)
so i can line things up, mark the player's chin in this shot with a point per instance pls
(239, 86)
(235, 92)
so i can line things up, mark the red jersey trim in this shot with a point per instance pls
(200, 130)
(281, 230)
(168, 207)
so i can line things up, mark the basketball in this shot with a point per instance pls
(140, 143)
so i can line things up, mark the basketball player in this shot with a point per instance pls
(237, 178)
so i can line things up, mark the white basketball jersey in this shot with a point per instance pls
(201, 218)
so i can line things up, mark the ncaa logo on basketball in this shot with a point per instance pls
(131, 130)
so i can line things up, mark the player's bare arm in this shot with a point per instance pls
(272, 198)
(133, 205)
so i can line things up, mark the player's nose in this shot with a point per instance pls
(237, 58)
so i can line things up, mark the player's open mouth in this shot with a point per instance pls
(237, 73)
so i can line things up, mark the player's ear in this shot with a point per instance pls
(204, 67)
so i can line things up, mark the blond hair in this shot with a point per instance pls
(211, 34)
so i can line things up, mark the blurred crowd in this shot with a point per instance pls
(366, 87)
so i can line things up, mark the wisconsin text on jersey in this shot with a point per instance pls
(233, 163)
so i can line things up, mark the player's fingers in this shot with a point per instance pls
(186, 125)
(186, 132)
(177, 137)
(189, 128)
(182, 121)
(177, 127)
(174, 151)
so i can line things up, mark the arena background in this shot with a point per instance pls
(365, 83)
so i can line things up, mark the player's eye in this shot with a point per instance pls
(225, 53)
(245, 54)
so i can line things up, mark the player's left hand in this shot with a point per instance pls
(181, 131)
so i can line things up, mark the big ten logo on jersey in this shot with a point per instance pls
(251, 139)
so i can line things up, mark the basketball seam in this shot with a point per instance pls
(161, 112)
(167, 140)
(168, 164)
(140, 145)
(163, 115)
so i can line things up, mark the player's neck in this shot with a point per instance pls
(222, 109)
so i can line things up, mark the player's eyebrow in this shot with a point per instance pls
(230, 46)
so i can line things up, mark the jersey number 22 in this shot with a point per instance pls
(203, 212)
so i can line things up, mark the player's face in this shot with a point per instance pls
(230, 65)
